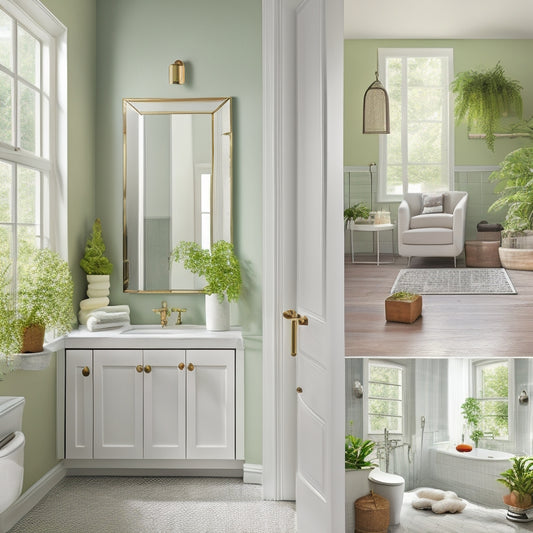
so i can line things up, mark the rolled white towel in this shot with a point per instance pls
(114, 309)
(101, 317)
(94, 325)
(94, 303)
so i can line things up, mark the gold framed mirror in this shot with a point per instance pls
(177, 164)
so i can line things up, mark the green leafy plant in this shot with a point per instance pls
(519, 480)
(358, 210)
(515, 189)
(44, 298)
(403, 296)
(356, 451)
(94, 261)
(482, 98)
(471, 411)
(219, 266)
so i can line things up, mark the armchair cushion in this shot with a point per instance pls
(433, 236)
(436, 220)
(433, 203)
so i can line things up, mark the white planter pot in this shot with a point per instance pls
(216, 313)
(356, 486)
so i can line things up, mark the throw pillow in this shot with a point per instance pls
(433, 203)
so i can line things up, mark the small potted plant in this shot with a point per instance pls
(471, 411)
(519, 481)
(43, 300)
(221, 270)
(358, 212)
(98, 268)
(403, 307)
(357, 469)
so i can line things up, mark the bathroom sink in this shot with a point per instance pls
(175, 331)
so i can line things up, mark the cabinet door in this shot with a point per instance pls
(210, 404)
(118, 404)
(79, 404)
(164, 404)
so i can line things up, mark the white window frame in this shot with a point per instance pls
(383, 53)
(476, 365)
(366, 379)
(36, 18)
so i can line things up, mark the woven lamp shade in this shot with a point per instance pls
(376, 117)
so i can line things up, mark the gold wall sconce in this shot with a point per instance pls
(176, 72)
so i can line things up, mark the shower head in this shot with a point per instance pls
(422, 421)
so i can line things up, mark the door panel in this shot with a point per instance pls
(164, 404)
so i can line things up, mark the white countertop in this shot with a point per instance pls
(153, 336)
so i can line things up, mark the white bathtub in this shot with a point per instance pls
(472, 475)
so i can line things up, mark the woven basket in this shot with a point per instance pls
(33, 339)
(372, 514)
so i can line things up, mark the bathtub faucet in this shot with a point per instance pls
(388, 446)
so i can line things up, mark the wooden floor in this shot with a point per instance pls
(450, 325)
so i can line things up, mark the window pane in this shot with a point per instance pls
(29, 119)
(425, 71)
(425, 142)
(28, 196)
(27, 242)
(394, 179)
(29, 57)
(385, 374)
(384, 407)
(5, 246)
(6, 40)
(6, 171)
(380, 390)
(494, 381)
(379, 423)
(427, 178)
(6, 108)
(425, 103)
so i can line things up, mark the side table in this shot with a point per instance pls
(376, 229)
(482, 254)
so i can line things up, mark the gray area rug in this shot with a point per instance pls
(454, 281)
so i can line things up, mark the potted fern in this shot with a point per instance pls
(43, 300)
(483, 98)
(221, 270)
(98, 268)
(357, 469)
(358, 211)
(519, 481)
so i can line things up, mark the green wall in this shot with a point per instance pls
(39, 387)
(220, 43)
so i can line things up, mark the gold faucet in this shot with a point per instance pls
(178, 310)
(164, 313)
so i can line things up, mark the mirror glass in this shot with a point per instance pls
(177, 186)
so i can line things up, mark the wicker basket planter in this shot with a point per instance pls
(406, 309)
(372, 514)
(33, 339)
(516, 258)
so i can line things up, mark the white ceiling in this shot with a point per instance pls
(433, 19)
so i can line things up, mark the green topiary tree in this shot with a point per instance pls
(94, 261)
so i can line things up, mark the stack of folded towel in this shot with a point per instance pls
(111, 316)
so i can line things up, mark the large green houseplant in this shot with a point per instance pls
(483, 98)
(471, 411)
(519, 480)
(43, 299)
(221, 269)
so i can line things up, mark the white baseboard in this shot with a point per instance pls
(31, 497)
(252, 474)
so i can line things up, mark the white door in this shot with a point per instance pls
(210, 404)
(118, 404)
(164, 404)
(79, 404)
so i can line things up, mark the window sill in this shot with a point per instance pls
(33, 361)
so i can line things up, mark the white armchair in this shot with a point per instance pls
(432, 234)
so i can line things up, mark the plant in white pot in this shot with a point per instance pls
(357, 469)
(221, 270)
(43, 300)
(98, 269)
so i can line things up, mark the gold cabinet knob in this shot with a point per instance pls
(85, 371)
(181, 366)
(190, 367)
(147, 369)
(139, 368)
(299, 390)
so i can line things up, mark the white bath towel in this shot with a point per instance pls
(113, 309)
(94, 325)
(102, 317)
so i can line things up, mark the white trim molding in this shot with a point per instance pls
(29, 499)
(252, 474)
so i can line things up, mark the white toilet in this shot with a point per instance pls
(12, 452)
(390, 486)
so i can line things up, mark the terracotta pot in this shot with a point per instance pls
(33, 339)
(515, 499)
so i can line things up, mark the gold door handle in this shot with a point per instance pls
(299, 390)
(139, 368)
(296, 320)
(181, 366)
(147, 369)
(190, 367)
(85, 371)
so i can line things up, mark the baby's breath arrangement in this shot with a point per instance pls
(219, 266)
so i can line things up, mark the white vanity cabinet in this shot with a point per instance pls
(157, 403)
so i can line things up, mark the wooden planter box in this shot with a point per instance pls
(403, 310)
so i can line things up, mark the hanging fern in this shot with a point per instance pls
(482, 98)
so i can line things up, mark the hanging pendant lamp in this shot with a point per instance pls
(376, 117)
